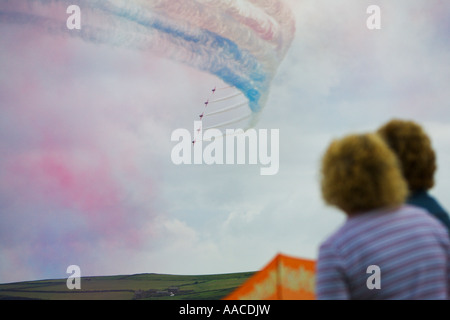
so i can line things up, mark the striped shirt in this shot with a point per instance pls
(411, 249)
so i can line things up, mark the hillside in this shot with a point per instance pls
(129, 287)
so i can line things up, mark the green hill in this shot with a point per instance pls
(129, 287)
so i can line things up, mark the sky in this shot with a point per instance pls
(86, 175)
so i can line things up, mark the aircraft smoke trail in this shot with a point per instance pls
(241, 42)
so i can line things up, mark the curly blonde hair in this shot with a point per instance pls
(360, 173)
(414, 150)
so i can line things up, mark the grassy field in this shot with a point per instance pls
(139, 286)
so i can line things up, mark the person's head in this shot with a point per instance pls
(414, 150)
(360, 173)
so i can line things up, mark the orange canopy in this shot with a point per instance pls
(284, 278)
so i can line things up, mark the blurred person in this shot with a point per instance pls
(361, 176)
(417, 158)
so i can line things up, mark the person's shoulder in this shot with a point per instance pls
(342, 234)
(424, 200)
(413, 213)
(423, 219)
(332, 240)
(412, 210)
(371, 222)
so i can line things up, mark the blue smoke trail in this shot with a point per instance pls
(213, 53)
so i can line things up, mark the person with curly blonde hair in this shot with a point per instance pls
(361, 176)
(413, 147)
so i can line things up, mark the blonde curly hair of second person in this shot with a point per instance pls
(414, 150)
(360, 173)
